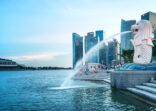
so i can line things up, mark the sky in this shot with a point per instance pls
(39, 32)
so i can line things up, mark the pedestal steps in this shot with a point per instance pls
(147, 90)
(153, 81)
(150, 85)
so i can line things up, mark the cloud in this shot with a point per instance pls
(45, 39)
(62, 59)
(34, 56)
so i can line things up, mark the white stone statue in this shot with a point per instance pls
(142, 42)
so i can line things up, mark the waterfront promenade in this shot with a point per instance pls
(99, 76)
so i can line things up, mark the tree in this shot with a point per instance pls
(154, 49)
(128, 56)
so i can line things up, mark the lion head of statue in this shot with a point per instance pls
(142, 29)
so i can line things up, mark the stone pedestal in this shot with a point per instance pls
(127, 79)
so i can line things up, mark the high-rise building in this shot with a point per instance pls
(125, 38)
(103, 47)
(113, 53)
(99, 33)
(77, 42)
(90, 41)
(103, 54)
(152, 18)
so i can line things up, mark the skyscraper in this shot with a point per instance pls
(103, 54)
(152, 18)
(125, 38)
(113, 53)
(77, 42)
(103, 48)
(99, 33)
(90, 41)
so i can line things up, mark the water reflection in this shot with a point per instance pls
(32, 90)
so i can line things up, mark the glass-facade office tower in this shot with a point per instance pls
(102, 48)
(112, 53)
(103, 54)
(99, 33)
(77, 44)
(125, 38)
(152, 18)
(90, 41)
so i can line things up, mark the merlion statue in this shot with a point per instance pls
(142, 42)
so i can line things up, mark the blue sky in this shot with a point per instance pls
(39, 32)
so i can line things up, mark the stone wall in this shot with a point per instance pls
(126, 79)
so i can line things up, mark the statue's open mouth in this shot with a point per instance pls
(134, 30)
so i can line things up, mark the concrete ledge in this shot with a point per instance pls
(127, 79)
(100, 76)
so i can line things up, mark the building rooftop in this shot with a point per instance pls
(6, 60)
(149, 12)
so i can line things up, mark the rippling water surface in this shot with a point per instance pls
(39, 90)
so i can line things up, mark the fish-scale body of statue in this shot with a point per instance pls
(142, 42)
